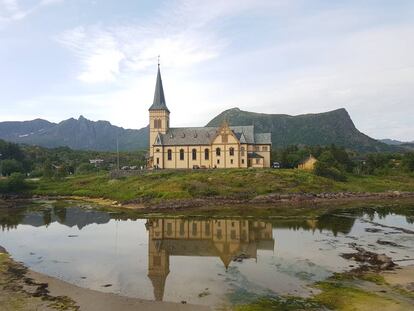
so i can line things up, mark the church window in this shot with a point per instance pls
(218, 161)
(155, 123)
(264, 148)
(182, 228)
(231, 151)
(231, 161)
(242, 161)
(219, 234)
(206, 154)
(181, 154)
(224, 138)
(218, 152)
(159, 123)
(256, 148)
(158, 161)
(169, 154)
(194, 154)
(157, 150)
(242, 151)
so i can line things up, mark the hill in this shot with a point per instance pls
(333, 127)
(80, 134)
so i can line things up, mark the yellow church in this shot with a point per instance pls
(202, 147)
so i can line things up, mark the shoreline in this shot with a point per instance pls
(274, 199)
(26, 289)
(212, 203)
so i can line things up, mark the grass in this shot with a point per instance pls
(340, 292)
(164, 185)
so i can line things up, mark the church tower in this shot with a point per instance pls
(159, 115)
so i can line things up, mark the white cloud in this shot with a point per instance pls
(14, 10)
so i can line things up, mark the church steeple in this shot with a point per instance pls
(159, 98)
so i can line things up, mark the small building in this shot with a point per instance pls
(308, 163)
(96, 162)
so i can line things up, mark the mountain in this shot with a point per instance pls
(81, 134)
(333, 127)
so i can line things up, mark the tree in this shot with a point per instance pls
(408, 161)
(9, 166)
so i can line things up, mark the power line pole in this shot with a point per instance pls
(117, 151)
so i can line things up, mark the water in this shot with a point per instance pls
(210, 261)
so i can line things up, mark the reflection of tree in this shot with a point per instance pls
(60, 212)
(334, 223)
(47, 217)
(11, 217)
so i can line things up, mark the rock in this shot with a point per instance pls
(390, 243)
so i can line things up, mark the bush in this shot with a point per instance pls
(408, 161)
(322, 169)
(14, 184)
(9, 166)
(85, 168)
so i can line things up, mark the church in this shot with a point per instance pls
(202, 147)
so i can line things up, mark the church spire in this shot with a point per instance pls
(159, 98)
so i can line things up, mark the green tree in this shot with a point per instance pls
(408, 161)
(9, 166)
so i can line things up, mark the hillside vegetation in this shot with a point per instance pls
(163, 185)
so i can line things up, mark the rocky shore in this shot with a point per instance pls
(272, 198)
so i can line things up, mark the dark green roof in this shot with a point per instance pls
(159, 98)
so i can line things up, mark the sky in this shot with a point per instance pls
(66, 58)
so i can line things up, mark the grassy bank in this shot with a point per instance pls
(165, 185)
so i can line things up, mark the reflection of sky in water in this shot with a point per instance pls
(92, 250)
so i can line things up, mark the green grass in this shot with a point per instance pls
(164, 185)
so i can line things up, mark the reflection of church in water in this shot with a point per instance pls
(224, 238)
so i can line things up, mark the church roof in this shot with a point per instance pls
(182, 136)
(159, 98)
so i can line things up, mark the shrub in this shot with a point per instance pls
(408, 161)
(9, 166)
(15, 183)
(322, 169)
(85, 168)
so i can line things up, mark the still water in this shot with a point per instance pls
(211, 261)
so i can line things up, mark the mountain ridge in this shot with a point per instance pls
(332, 127)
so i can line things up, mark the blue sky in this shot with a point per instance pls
(65, 58)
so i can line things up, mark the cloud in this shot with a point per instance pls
(14, 10)
(183, 32)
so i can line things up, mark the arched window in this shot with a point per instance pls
(218, 152)
(194, 154)
(159, 123)
(155, 123)
(231, 151)
(206, 154)
(169, 154)
(242, 151)
(181, 154)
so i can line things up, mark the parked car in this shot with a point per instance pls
(275, 165)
